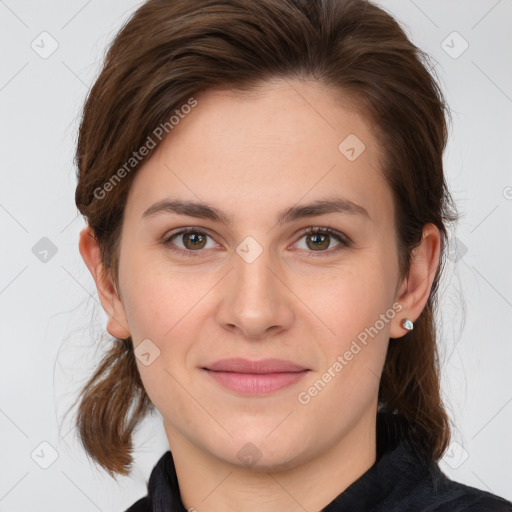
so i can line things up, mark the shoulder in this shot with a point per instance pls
(457, 497)
(144, 504)
(141, 505)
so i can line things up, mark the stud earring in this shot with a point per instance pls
(407, 324)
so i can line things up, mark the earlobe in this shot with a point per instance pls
(415, 290)
(110, 301)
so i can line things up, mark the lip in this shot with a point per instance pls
(255, 377)
(240, 365)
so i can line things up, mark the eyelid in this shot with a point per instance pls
(166, 240)
(343, 239)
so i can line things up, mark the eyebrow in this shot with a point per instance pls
(206, 211)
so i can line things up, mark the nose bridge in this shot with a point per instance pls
(252, 277)
(256, 300)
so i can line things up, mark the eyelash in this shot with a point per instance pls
(345, 242)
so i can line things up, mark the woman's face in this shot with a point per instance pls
(254, 284)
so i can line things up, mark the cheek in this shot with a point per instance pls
(358, 311)
(352, 299)
(357, 308)
(159, 296)
(161, 309)
(164, 306)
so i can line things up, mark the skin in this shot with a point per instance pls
(252, 155)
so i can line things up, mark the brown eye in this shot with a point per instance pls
(320, 240)
(193, 240)
(188, 241)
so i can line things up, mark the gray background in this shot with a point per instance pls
(51, 321)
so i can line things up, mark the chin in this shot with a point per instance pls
(274, 463)
(259, 451)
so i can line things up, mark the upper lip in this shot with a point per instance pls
(240, 365)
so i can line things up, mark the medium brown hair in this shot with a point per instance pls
(169, 51)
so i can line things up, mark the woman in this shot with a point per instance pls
(267, 217)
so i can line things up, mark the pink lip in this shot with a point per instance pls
(241, 365)
(255, 377)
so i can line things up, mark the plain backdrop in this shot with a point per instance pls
(52, 325)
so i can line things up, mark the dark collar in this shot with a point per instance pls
(401, 479)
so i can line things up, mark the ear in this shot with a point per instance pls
(415, 289)
(111, 302)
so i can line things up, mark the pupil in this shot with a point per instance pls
(319, 240)
(194, 238)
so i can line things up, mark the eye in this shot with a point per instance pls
(194, 240)
(319, 240)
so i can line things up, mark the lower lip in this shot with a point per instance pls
(256, 383)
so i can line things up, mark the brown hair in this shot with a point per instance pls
(170, 50)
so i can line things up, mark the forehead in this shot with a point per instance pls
(272, 146)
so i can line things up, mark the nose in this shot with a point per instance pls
(256, 302)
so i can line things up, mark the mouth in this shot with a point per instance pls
(255, 377)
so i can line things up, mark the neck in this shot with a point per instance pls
(209, 483)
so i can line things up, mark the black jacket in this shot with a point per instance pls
(401, 480)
